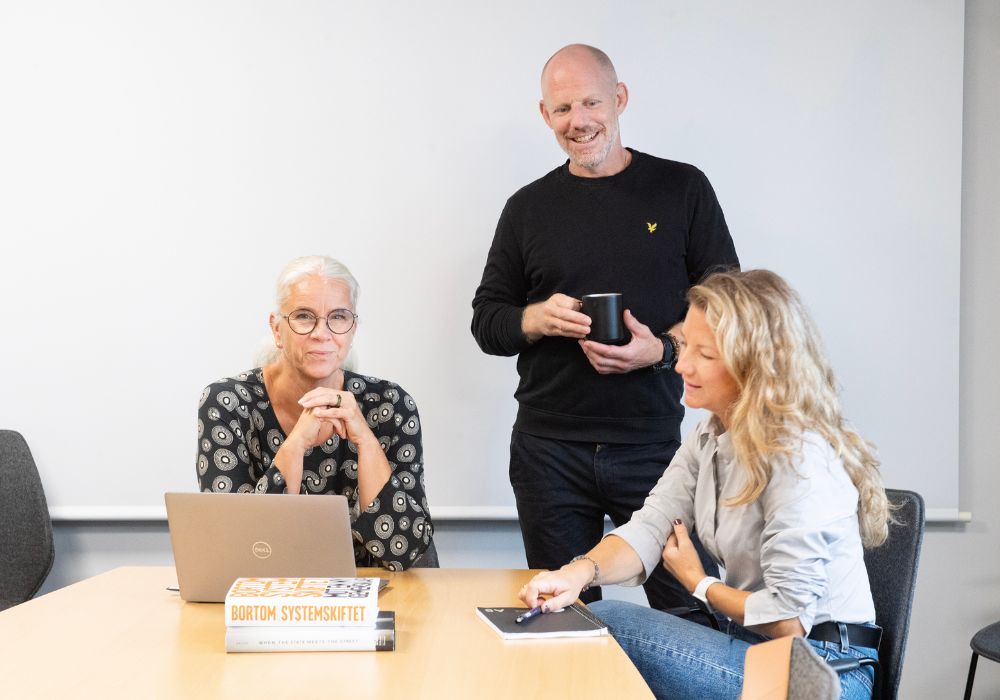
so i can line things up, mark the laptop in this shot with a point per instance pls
(219, 537)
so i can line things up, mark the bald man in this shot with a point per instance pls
(597, 424)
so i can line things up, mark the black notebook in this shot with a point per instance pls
(574, 621)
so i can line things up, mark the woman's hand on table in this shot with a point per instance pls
(560, 587)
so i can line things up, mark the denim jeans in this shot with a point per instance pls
(679, 659)
(564, 489)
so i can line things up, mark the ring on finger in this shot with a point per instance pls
(339, 400)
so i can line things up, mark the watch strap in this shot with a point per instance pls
(701, 590)
(670, 352)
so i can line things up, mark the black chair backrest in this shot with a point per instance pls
(428, 559)
(892, 573)
(26, 550)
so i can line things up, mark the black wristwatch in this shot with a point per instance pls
(670, 351)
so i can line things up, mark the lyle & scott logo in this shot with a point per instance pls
(651, 227)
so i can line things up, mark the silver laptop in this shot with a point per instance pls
(219, 537)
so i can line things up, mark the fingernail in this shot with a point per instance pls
(545, 607)
(677, 521)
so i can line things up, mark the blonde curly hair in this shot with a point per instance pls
(770, 346)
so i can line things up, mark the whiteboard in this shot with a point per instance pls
(160, 162)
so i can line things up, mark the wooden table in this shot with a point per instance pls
(122, 634)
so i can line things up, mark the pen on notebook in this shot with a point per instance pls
(525, 616)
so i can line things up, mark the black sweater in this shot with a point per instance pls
(649, 232)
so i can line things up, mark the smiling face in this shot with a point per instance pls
(318, 355)
(581, 101)
(707, 382)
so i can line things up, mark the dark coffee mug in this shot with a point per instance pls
(605, 311)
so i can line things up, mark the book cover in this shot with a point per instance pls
(302, 602)
(574, 621)
(379, 637)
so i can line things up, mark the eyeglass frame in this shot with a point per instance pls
(354, 321)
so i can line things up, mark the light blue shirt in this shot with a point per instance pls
(796, 549)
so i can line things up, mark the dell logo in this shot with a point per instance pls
(261, 550)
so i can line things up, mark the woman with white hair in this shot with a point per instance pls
(303, 423)
(782, 492)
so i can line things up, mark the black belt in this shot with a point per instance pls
(857, 635)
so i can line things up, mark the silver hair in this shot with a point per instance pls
(294, 272)
(318, 266)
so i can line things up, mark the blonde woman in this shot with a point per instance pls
(783, 494)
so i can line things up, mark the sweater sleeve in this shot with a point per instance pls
(396, 528)
(710, 247)
(502, 295)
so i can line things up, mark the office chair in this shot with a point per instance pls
(787, 668)
(892, 575)
(986, 642)
(26, 549)
(429, 558)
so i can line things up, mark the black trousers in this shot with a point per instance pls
(564, 489)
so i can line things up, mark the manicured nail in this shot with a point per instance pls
(677, 521)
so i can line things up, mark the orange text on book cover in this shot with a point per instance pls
(347, 602)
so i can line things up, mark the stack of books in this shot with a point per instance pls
(307, 614)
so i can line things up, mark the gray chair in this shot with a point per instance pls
(26, 549)
(892, 575)
(789, 669)
(809, 678)
(986, 643)
(429, 558)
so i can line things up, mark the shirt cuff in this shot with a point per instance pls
(762, 607)
(645, 545)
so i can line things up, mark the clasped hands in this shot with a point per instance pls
(560, 315)
(322, 417)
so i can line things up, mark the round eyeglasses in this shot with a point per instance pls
(303, 322)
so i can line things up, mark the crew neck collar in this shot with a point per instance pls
(607, 179)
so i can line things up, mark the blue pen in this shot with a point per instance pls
(524, 617)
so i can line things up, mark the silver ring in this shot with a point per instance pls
(339, 399)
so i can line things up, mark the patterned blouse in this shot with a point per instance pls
(239, 435)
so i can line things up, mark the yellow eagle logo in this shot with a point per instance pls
(651, 227)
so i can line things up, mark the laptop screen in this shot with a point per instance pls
(219, 537)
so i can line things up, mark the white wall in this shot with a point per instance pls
(163, 159)
(959, 584)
